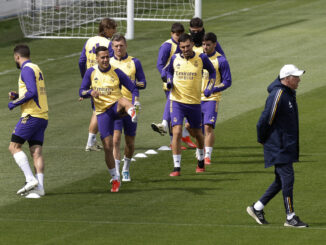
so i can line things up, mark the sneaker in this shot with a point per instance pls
(126, 176)
(98, 146)
(28, 186)
(200, 170)
(115, 185)
(92, 148)
(257, 215)
(159, 128)
(188, 141)
(207, 161)
(34, 193)
(295, 222)
(176, 172)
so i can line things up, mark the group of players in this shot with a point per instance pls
(194, 71)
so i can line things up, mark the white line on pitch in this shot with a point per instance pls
(104, 222)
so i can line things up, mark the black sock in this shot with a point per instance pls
(176, 169)
(201, 163)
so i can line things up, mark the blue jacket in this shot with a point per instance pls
(278, 126)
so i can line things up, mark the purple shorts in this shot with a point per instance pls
(209, 111)
(128, 126)
(179, 111)
(106, 120)
(31, 129)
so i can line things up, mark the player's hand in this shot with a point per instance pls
(80, 99)
(95, 94)
(207, 92)
(137, 106)
(13, 95)
(11, 105)
(169, 84)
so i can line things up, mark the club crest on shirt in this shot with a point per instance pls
(196, 63)
(95, 80)
(178, 66)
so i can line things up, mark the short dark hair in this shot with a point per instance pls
(210, 36)
(177, 28)
(100, 49)
(196, 22)
(184, 37)
(118, 37)
(22, 50)
(106, 23)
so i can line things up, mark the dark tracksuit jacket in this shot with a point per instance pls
(278, 126)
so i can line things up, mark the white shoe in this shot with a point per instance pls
(92, 148)
(36, 191)
(126, 176)
(28, 186)
(160, 128)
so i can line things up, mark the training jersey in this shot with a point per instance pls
(32, 93)
(186, 77)
(223, 77)
(108, 83)
(133, 69)
(88, 57)
(167, 50)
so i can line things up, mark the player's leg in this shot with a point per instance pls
(130, 134)
(116, 144)
(209, 115)
(92, 131)
(193, 115)
(124, 107)
(24, 129)
(106, 126)
(186, 132)
(164, 126)
(177, 113)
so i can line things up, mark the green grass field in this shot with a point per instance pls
(258, 37)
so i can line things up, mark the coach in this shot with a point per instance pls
(278, 131)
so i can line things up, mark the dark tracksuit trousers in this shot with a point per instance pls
(284, 180)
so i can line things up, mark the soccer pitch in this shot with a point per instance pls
(258, 37)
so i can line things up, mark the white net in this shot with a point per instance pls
(80, 18)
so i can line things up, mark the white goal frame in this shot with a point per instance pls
(193, 8)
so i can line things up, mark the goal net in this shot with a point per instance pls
(80, 18)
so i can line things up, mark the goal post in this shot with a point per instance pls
(80, 18)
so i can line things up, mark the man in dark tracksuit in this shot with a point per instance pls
(278, 131)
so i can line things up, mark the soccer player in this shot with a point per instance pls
(102, 83)
(32, 99)
(209, 105)
(167, 50)
(133, 69)
(197, 32)
(184, 75)
(107, 27)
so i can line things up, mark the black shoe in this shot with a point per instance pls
(257, 215)
(295, 222)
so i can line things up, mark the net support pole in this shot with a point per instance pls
(198, 8)
(130, 20)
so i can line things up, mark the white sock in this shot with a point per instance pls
(290, 216)
(185, 132)
(126, 164)
(22, 161)
(165, 124)
(113, 174)
(177, 161)
(91, 139)
(200, 152)
(40, 179)
(259, 206)
(117, 166)
(208, 151)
